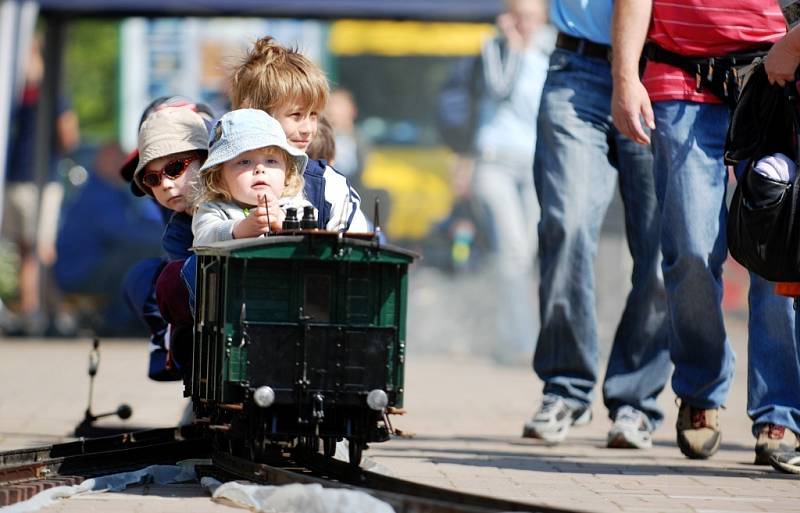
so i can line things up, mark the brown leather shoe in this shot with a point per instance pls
(698, 430)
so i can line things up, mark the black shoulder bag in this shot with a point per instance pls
(763, 220)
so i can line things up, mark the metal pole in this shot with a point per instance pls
(48, 98)
(46, 119)
(17, 20)
(9, 14)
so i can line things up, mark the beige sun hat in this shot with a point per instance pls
(166, 132)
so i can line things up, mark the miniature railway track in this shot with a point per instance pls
(26, 472)
(404, 496)
(23, 473)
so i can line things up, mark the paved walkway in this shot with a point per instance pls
(465, 415)
(468, 419)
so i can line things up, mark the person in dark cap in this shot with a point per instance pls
(172, 145)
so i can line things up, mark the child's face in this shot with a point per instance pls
(299, 123)
(255, 173)
(173, 193)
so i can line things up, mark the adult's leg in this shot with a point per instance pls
(574, 185)
(691, 181)
(512, 212)
(773, 365)
(787, 460)
(639, 364)
(19, 224)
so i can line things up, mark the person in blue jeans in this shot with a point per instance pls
(579, 157)
(781, 65)
(689, 125)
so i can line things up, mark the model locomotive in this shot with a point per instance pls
(299, 338)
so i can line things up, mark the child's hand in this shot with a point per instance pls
(269, 202)
(266, 216)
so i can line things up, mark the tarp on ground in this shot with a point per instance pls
(441, 10)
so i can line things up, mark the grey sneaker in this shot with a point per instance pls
(631, 430)
(698, 431)
(552, 420)
(773, 438)
(786, 461)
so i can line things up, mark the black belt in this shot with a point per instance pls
(655, 53)
(720, 75)
(583, 47)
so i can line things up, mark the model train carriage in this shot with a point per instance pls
(303, 333)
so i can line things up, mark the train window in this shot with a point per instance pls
(317, 297)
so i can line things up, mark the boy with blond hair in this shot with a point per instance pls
(293, 90)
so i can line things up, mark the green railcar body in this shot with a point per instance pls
(316, 316)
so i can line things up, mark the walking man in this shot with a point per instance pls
(688, 116)
(579, 157)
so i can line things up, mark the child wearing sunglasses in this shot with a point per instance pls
(172, 147)
(251, 176)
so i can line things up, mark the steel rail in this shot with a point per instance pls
(404, 496)
(25, 472)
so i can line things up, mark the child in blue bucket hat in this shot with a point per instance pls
(252, 175)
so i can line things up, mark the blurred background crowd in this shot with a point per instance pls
(448, 188)
(63, 264)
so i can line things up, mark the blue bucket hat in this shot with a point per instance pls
(243, 130)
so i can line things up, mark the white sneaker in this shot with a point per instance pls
(631, 430)
(552, 420)
(786, 461)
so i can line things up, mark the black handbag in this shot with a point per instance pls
(763, 220)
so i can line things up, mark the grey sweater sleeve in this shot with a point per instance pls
(211, 224)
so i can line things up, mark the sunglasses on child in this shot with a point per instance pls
(172, 170)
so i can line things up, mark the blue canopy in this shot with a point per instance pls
(440, 10)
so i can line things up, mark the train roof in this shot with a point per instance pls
(311, 245)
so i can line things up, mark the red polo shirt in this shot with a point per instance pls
(706, 28)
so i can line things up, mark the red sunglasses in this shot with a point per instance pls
(172, 170)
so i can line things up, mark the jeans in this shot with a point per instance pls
(579, 156)
(691, 182)
(504, 187)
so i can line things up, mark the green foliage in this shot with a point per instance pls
(9, 265)
(91, 64)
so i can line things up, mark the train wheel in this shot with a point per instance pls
(354, 451)
(329, 446)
